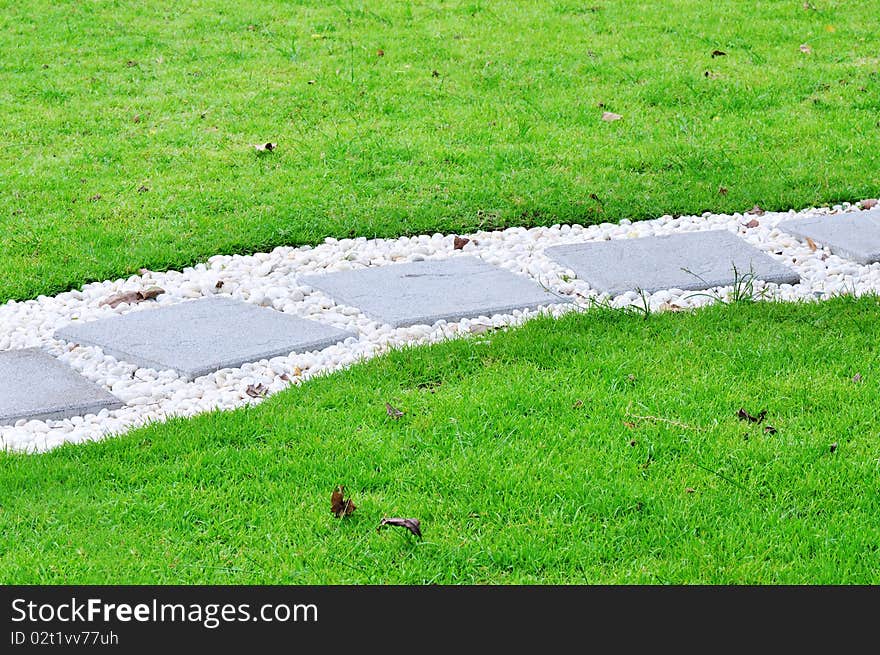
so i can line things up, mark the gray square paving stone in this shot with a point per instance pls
(421, 293)
(689, 261)
(36, 385)
(202, 336)
(854, 235)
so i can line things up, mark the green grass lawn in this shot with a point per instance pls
(126, 127)
(602, 447)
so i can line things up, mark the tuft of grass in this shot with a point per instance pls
(597, 448)
(127, 127)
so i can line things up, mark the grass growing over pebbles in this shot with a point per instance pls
(602, 447)
(126, 127)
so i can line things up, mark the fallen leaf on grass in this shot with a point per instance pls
(743, 415)
(805, 48)
(460, 242)
(833, 446)
(868, 203)
(95, 198)
(690, 490)
(258, 391)
(265, 147)
(756, 211)
(341, 506)
(610, 116)
(633, 443)
(722, 190)
(413, 525)
(718, 53)
(629, 424)
(769, 429)
(712, 75)
(133, 297)
(392, 411)
(812, 244)
(143, 188)
(380, 52)
(753, 223)
(857, 378)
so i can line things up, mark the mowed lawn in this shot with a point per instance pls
(127, 127)
(600, 448)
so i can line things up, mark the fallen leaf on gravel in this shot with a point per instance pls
(610, 116)
(460, 242)
(833, 446)
(756, 211)
(718, 53)
(480, 328)
(258, 391)
(219, 284)
(413, 525)
(297, 371)
(265, 147)
(671, 307)
(868, 203)
(392, 411)
(285, 377)
(743, 415)
(769, 429)
(133, 297)
(753, 223)
(341, 506)
(806, 49)
(857, 378)
(811, 244)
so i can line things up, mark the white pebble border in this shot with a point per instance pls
(270, 279)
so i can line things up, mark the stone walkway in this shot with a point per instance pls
(231, 331)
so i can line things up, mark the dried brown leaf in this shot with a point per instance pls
(459, 242)
(380, 52)
(753, 223)
(133, 297)
(95, 198)
(743, 415)
(341, 506)
(610, 116)
(812, 244)
(805, 48)
(833, 447)
(392, 411)
(769, 429)
(578, 403)
(143, 188)
(413, 525)
(722, 190)
(265, 147)
(219, 284)
(756, 211)
(257, 391)
(868, 203)
(718, 53)
(857, 378)
(690, 490)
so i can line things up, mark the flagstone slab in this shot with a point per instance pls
(421, 293)
(854, 235)
(689, 261)
(202, 336)
(35, 385)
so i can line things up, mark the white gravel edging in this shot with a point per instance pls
(270, 279)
